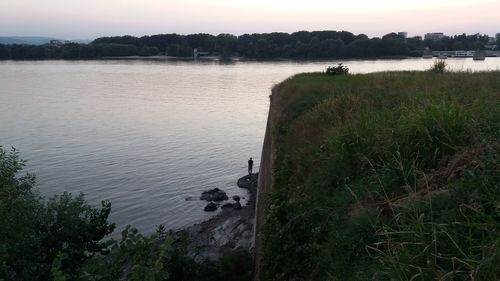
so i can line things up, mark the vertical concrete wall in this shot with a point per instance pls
(264, 186)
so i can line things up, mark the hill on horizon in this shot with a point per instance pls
(34, 40)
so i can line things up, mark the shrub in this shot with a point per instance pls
(439, 66)
(36, 234)
(337, 70)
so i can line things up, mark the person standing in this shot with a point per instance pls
(250, 166)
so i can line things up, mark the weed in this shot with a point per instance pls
(439, 66)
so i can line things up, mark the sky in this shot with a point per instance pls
(89, 19)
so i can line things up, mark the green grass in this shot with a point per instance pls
(385, 176)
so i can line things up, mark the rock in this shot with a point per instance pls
(210, 207)
(229, 230)
(227, 205)
(214, 195)
(248, 181)
(233, 233)
(237, 205)
(236, 198)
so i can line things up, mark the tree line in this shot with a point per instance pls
(276, 45)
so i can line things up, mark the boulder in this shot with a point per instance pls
(214, 195)
(248, 181)
(227, 205)
(237, 206)
(210, 207)
(236, 198)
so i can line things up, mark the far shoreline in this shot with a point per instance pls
(219, 59)
(238, 59)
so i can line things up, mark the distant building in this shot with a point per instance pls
(403, 34)
(498, 36)
(434, 36)
(417, 38)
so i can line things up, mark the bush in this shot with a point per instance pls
(35, 232)
(439, 66)
(337, 70)
(163, 256)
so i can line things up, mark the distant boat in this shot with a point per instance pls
(479, 55)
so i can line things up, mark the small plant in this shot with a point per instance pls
(337, 70)
(439, 66)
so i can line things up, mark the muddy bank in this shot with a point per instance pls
(231, 229)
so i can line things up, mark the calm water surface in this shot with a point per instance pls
(148, 134)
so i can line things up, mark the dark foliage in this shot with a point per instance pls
(298, 45)
(337, 70)
(35, 232)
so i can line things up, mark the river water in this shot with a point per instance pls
(146, 135)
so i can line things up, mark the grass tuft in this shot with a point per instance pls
(439, 66)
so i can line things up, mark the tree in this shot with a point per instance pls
(392, 35)
(4, 51)
(265, 48)
(226, 44)
(331, 48)
(458, 46)
(35, 232)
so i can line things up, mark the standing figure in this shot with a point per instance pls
(250, 166)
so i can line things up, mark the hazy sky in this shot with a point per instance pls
(87, 19)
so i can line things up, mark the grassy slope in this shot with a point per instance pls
(385, 175)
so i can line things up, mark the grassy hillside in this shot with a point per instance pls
(385, 176)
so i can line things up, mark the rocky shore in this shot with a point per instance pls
(231, 229)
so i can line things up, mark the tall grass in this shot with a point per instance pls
(386, 176)
(439, 66)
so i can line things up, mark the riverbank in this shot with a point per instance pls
(382, 176)
(213, 58)
(229, 230)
